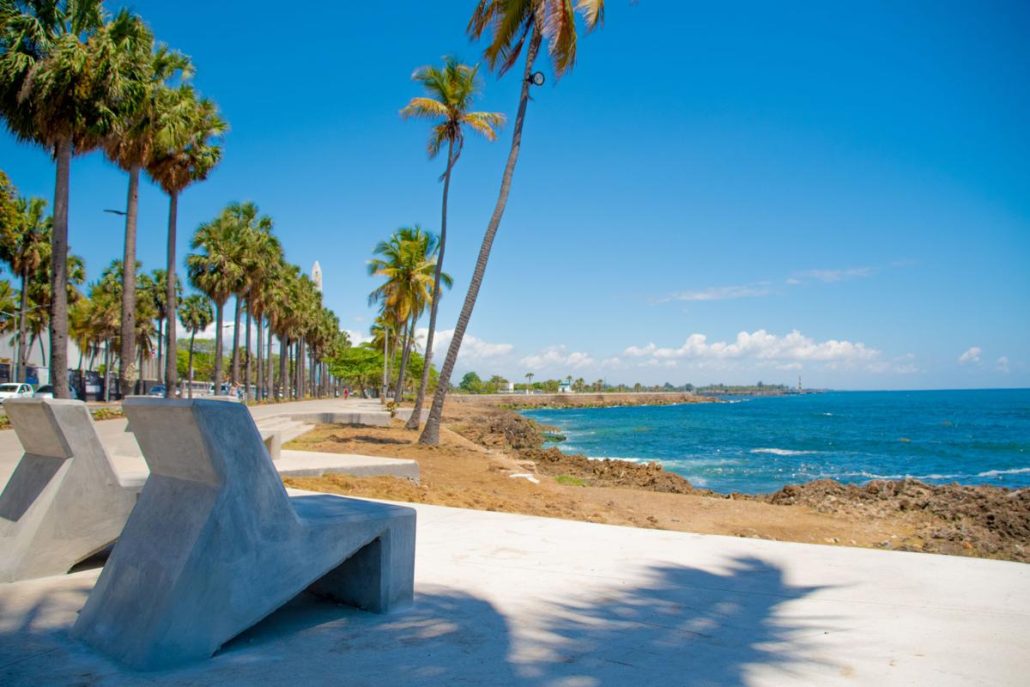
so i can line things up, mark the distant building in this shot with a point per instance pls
(316, 275)
(564, 387)
(509, 387)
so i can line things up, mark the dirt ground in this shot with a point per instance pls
(491, 459)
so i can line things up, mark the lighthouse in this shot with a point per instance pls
(316, 275)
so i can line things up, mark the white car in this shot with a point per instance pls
(15, 390)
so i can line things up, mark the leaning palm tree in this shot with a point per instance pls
(66, 75)
(511, 25)
(450, 94)
(215, 269)
(131, 146)
(195, 315)
(24, 245)
(186, 150)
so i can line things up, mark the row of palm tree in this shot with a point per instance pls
(238, 256)
(73, 79)
(510, 26)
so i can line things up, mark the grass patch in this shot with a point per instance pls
(570, 481)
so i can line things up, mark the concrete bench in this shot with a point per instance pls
(216, 544)
(65, 501)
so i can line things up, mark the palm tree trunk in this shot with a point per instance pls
(269, 376)
(127, 355)
(431, 433)
(160, 348)
(171, 373)
(59, 272)
(298, 371)
(409, 328)
(284, 353)
(219, 316)
(259, 382)
(416, 413)
(23, 353)
(246, 348)
(107, 370)
(235, 366)
(193, 335)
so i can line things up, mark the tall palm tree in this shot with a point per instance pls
(450, 94)
(216, 270)
(186, 150)
(159, 296)
(253, 244)
(130, 146)
(264, 254)
(511, 25)
(24, 245)
(195, 315)
(66, 75)
(408, 263)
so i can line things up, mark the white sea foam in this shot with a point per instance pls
(782, 452)
(998, 473)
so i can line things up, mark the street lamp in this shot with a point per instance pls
(536, 78)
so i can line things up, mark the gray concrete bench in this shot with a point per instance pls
(216, 544)
(64, 502)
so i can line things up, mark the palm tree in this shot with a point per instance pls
(216, 271)
(130, 146)
(511, 25)
(263, 255)
(529, 381)
(185, 152)
(195, 315)
(253, 244)
(159, 295)
(408, 264)
(24, 245)
(451, 91)
(66, 75)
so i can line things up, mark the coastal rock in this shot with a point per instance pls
(950, 518)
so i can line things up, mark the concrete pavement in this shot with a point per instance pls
(506, 599)
(128, 460)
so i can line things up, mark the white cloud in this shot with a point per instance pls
(357, 337)
(765, 288)
(723, 293)
(472, 349)
(833, 275)
(762, 346)
(1002, 364)
(971, 356)
(557, 357)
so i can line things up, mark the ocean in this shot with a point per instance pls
(760, 444)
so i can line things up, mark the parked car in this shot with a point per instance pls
(15, 390)
(47, 391)
(158, 391)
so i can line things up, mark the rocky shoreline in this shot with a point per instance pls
(983, 521)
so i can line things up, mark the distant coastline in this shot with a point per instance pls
(516, 401)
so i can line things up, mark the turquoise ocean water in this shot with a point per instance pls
(755, 445)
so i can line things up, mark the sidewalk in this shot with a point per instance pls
(506, 599)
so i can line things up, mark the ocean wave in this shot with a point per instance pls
(782, 452)
(998, 473)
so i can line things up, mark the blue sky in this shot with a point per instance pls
(753, 191)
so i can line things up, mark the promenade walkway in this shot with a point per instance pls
(506, 599)
(129, 462)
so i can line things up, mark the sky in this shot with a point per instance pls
(736, 193)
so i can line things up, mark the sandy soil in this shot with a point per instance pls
(490, 459)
